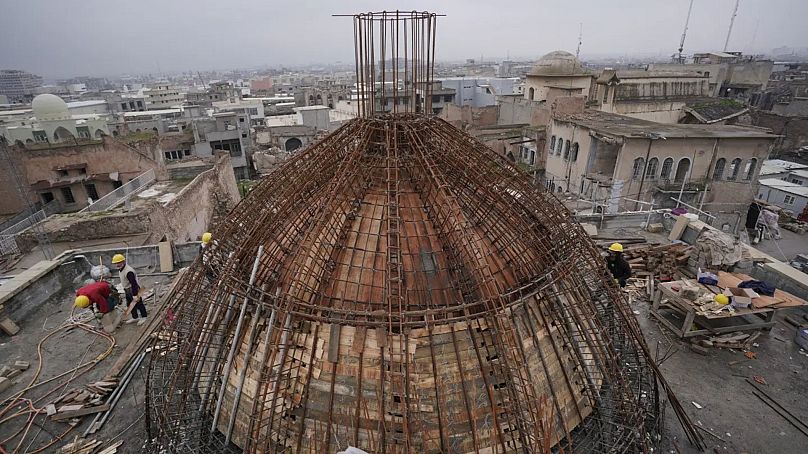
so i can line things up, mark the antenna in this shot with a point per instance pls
(684, 32)
(731, 22)
(580, 36)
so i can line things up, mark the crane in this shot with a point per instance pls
(684, 32)
(731, 22)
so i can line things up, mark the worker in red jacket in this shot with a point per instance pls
(98, 295)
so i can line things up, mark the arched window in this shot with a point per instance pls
(566, 150)
(574, 152)
(639, 165)
(559, 146)
(531, 92)
(682, 169)
(667, 165)
(718, 172)
(734, 168)
(653, 164)
(552, 144)
(749, 171)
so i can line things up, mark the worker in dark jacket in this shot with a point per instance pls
(618, 265)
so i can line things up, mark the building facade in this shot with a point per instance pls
(53, 122)
(19, 86)
(163, 96)
(623, 163)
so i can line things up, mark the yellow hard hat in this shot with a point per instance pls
(721, 299)
(82, 302)
(206, 237)
(118, 258)
(615, 247)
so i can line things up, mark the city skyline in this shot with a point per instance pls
(151, 37)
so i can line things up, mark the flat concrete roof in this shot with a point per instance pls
(785, 186)
(634, 128)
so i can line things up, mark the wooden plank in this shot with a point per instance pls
(678, 228)
(166, 256)
(62, 415)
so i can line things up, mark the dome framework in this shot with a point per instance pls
(399, 287)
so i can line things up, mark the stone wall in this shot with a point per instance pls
(468, 115)
(206, 198)
(193, 211)
(794, 130)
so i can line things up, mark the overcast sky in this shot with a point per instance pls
(57, 38)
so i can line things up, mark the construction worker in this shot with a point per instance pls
(131, 288)
(204, 251)
(618, 265)
(97, 296)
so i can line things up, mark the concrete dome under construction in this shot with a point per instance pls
(399, 287)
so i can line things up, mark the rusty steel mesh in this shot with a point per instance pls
(399, 287)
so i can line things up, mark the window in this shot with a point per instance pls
(639, 165)
(186, 152)
(797, 181)
(574, 152)
(552, 144)
(566, 150)
(63, 173)
(67, 194)
(241, 119)
(40, 136)
(47, 197)
(789, 200)
(682, 170)
(734, 168)
(447, 98)
(559, 146)
(253, 111)
(436, 98)
(667, 165)
(531, 93)
(83, 132)
(82, 171)
(653, 163)
(749, 171)
(117, 184)
(91, 191)
(718, 172)
(532, 157)
(123, 106)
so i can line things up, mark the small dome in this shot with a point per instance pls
(558, 63)
(50, 107)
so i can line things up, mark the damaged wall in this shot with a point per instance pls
(196, 208)
(193, 211)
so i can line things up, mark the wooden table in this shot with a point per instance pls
(730, 322)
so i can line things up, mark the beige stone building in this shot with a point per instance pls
(558, 73)
(649, 95)
(618, 162)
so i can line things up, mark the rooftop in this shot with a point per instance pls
(785, 186)
(91, 102)
(628, 127)
(773, 166)
(149, 113)
(714, 110)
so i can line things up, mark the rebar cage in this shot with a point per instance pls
(399, 287)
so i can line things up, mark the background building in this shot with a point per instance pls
(19, 86)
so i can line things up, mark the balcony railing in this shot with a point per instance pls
(121, 194)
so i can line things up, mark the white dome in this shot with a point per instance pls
(557, 63)
(50, 107)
